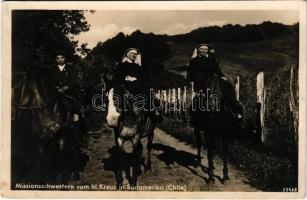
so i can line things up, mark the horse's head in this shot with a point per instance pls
(113, 113)
(126, 115)
(128, 118)
(28, 95)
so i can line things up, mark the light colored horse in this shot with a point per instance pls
(130, 126)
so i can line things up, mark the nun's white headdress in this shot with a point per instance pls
(138, 56)
(195, 52)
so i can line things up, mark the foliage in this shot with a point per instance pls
(178, 129)
(37, 34)
(165, 57)
(159, 78)
(152, 47)
(264, 169)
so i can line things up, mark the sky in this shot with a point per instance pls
(107, 24)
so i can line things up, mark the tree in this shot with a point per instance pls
(36, 34)
(153, 47)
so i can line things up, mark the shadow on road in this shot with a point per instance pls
(172, 156)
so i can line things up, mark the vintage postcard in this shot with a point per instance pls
(143, 99)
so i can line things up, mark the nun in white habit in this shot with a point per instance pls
(202, 66)
(129, 71)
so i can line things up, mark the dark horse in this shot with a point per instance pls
(45, 128)
(213, 115)
(130, 124)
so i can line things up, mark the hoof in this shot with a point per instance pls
(132, 185)
(139, 172)
(119, 186)
(75, 176)
(211, 181)
(148, 168)
(225, 179)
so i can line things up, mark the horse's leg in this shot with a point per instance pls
(210, 144)
(119, 178)
(199, 145)
(116, 135)
(135, 169)
(44, 169)
(75, 150)
(118, 171)
(67, 154)
(149, 149)
(136, 163)
(225, 155)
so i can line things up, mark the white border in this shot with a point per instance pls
(165, 5)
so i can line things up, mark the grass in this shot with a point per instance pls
(265, 169)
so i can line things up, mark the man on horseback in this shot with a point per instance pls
(201, 67)
(61, 79)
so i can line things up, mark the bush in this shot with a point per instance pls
(267, 171)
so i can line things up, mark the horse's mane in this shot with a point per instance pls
(214, 84)
(27, 93)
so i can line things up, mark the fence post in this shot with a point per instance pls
(169, 96)
(293, 103)
(237, 88)
(179, 102)
(174, 101)
(192, 89)
(184, 102)
(261, 100)
(158, 94)
(165, 101)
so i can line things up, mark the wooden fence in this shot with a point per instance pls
(176, 103)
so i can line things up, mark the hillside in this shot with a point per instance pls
(240, 50)
(239, 58)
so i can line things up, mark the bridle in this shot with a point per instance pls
(142, 122)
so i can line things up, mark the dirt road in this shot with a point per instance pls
(173, 166)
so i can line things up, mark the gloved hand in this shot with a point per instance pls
(130, 78)
(62, 89)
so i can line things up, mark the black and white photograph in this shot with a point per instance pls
(141, 99)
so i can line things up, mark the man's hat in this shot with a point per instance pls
(59, 52)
